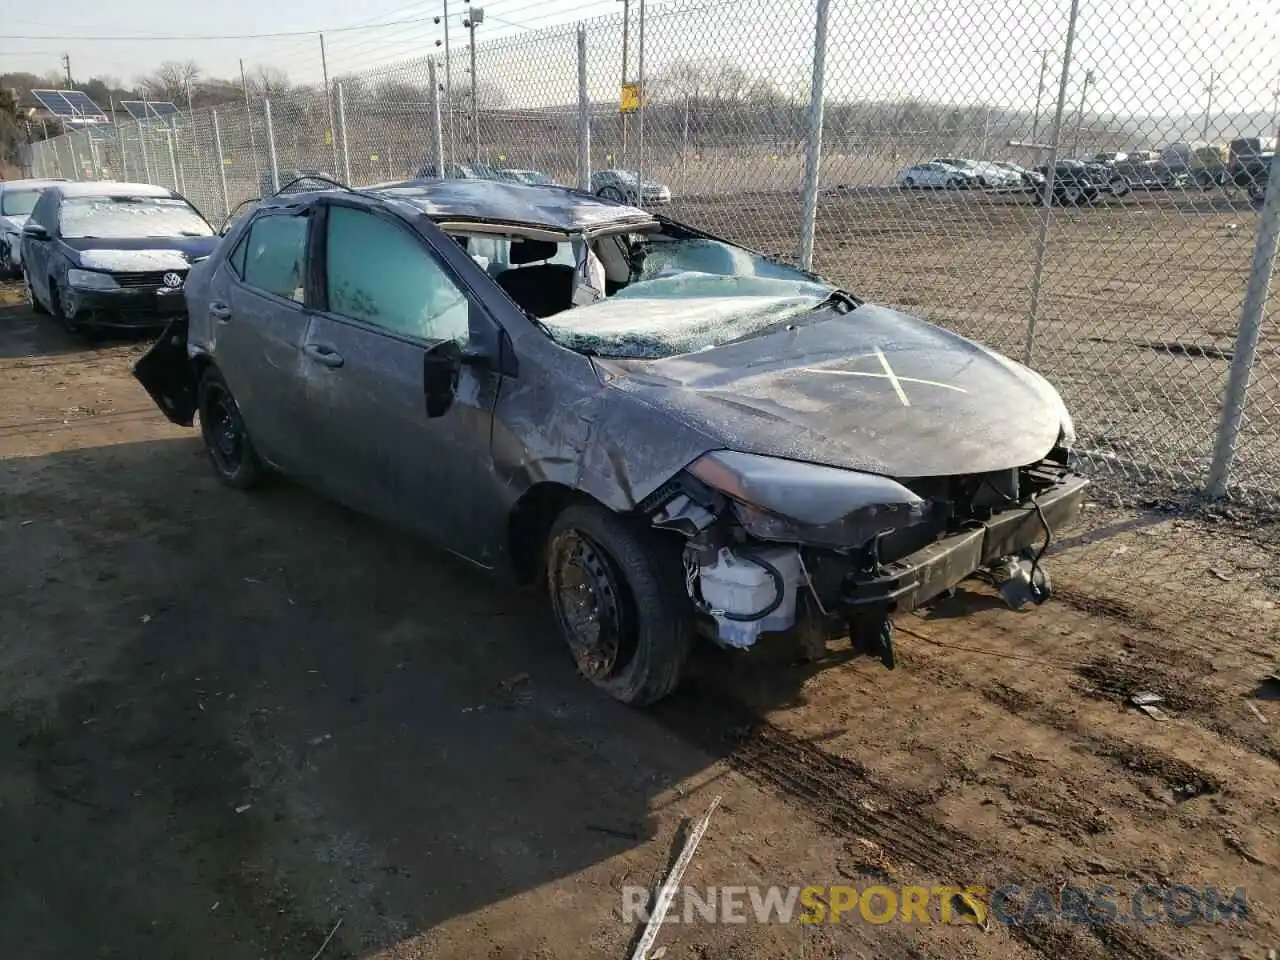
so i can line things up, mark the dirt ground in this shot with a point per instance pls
(1139, 303)
(231, 723)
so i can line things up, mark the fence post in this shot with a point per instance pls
(75, 161)
(584, 115)
(437, 127)
(342, 122)
(142, 144)
(173, 158)
(179, 174)
(1046, 195)
(124, 156)
(813, 148)
(94, 163)
(1247, 334)
(222, 166)
(644, 98)
(271, 147)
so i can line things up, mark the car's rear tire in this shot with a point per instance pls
(618, 595)
(909, 183)
(225, 438)
(32, 300)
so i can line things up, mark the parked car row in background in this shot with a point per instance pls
(1244, 163)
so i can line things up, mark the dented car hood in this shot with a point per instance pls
(871, 389)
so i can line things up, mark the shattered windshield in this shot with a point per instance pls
(122, 217)
(691, 294)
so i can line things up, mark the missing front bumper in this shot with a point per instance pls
(916, 579)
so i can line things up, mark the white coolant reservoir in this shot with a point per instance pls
(735, 584)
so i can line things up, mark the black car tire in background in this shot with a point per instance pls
(619, 600)
(611, 193)
(62, 309)
(32, 300)
(225, 438)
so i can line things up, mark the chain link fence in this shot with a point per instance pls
(905, 150)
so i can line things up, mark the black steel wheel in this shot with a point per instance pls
(32, 301)
(617, 592)
(225, 438)
(63, 307)
(611, 193)
(590, 605)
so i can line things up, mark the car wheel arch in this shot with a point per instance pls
(530, 520)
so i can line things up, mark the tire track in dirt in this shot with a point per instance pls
(1166, 668)
(843, 795)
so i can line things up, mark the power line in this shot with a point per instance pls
(72, 38)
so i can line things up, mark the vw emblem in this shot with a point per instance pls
(172, 279)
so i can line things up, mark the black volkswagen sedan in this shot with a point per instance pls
(112, 254)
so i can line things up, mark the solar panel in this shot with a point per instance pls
(69, 105)
(149, 109)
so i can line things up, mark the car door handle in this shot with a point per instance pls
(220, 311)
(327, 356)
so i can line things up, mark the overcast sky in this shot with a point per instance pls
(1147, 56)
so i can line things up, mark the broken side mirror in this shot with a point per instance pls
(440, 367)
(34, 231)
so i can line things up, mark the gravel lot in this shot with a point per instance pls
(228, 722)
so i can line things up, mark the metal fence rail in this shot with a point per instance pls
(787, 126)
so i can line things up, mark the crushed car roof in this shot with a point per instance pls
(556, 208)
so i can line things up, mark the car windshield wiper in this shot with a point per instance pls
(838, 298)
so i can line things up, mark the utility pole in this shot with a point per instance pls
(1208, 106)
(1044, 66)
(66, 66)
(1084, 93)
(473, 19)
(626, 31)
(328, 104)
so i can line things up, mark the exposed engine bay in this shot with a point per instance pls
(775, 546)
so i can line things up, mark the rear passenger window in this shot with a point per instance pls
(274, 256)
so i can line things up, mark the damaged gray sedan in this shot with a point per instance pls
(677, 435)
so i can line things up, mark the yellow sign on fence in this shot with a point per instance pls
(629, 102)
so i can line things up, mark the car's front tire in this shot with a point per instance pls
(618, 595)
(225, 438)
(63, 307)
(32, 300)
(612, 193)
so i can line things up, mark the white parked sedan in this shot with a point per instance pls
(934, 174)
(988, 174)
(17, 197)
